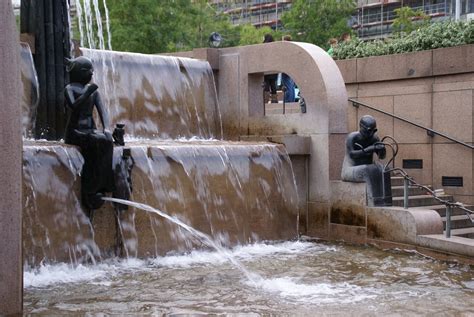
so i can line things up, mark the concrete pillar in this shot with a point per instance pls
(11, 269)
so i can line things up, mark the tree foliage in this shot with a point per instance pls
(407, 20)
(154, 26)
(249, 34)
(435, 35)
(316, 21)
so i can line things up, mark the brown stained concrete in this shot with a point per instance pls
(348, 214)
(349, 234)
(11, 269)
(318, 220)
(348, 202)
(250, 199)
(401, 225)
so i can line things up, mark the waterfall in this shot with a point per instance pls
(235, 192)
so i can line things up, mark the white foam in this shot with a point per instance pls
(318, 293)
(65, 273)
(60, 273)
(246, 252)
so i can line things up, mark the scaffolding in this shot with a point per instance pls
(374, 19)
(256, 12)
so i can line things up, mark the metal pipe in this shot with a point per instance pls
(457, 10)
(448, 221)
(405, 193)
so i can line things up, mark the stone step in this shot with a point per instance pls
(420, 200)
(396, 181)
(441, 209)
(397, 191)
(464, 232)
(459, 222)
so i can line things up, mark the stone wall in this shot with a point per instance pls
(432, 88)
(11, 270)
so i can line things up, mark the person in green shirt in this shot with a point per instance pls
(333, 44)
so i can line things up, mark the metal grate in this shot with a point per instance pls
(453, 181)
(412, 164)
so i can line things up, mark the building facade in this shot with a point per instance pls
(256, 12)
(374, 18)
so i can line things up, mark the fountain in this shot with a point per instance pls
(199, 167)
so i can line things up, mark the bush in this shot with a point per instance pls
(434, 35)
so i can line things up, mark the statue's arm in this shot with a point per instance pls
(381, 152)
(72, 102)
(355, 150)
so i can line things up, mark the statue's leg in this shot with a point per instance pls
(97, 174)
(378, 185)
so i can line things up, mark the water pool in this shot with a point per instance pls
(293, 278)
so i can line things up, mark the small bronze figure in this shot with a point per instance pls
(96, 145)
(359, 166)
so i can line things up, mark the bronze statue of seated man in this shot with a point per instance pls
(359, 165)
(96, 146)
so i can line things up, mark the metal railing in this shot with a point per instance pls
(429, 131)
(450, 205)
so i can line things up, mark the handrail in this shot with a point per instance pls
(429, 131)
(407, 179)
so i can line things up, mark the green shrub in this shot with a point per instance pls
(434, 35)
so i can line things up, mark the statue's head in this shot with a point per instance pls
(80, 69)
(367, 126)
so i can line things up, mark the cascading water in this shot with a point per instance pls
(30, 91)
(235, 192)
(158, 96)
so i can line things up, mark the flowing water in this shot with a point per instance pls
(236, 192)
(298, 278)
(30, 90)
(158, 96)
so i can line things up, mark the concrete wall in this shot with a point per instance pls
(11, 273)
(324, 125)
(432, 88)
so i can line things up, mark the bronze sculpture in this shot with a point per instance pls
(359, 166)
(96, 145)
